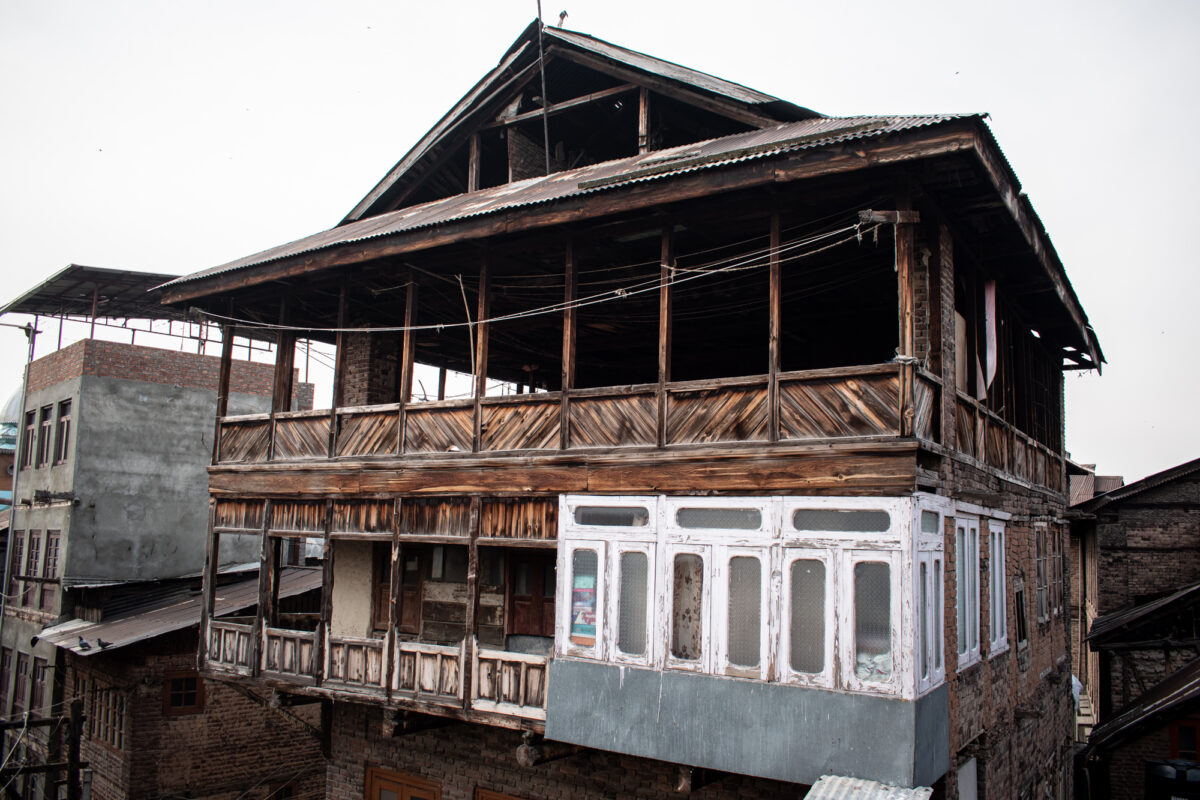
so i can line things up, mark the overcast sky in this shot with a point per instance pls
(175, 136)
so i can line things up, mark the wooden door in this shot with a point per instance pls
(531, 585)
(384, 785)
(381, 586)
(411, 576)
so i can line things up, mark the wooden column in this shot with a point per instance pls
(481, 353)
(665, 276)
(470, 632)
(407, 358)
(339, 369)
(473, 163)
(570, 321)
(643, 120)
(281, 385)
(261, 611)
(208, 587)
(907, 333)
(394, 585)
(223, 379)
(326, 597)
(775, 324)
(441, 390)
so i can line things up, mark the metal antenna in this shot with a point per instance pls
(545, 99)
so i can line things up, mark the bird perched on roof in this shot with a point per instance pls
(562, 17)
(83, 645)
(103, 644)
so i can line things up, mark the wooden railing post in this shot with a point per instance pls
(262, 610)
(408, 351)
(472, 614)
(209, 585)
(394, 594)
(570, 322)
(666, 267)
(339, 370)
(322, 648)
(223, 380)
(481, 354)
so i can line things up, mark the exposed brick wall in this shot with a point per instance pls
(235, 749)
(155, 365)
(461, 758)
(370, 369)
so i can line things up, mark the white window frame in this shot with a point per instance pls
(667, 581)
(566, 557)
(824, 678)
(933, 622)
(997, 589)
(720, 569)
(966, 573)
(847, 617)
(613, 616)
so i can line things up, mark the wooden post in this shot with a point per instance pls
(643, 120)
(281, 386)
(570, 321)
(407, 358)
(208, 586)
(339, 368)
(481, 352)
(666, 267)
(397, 575)
(264, 591)
(907, 334)
(472, 616)
(775, 325)
(326, 598)
(441, 390)
(223, 379)
(74, 735)
(473, 163)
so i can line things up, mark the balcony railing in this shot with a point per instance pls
(509, 683)
(430, 672)
(813, 405)
(290, 653)
(231, 646)
(356, 663)
(989, 439)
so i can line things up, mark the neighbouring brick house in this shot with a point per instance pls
(761, 484)
(1145, 638)
(110, 497)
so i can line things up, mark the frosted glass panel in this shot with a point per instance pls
(924, 616)
(808, 616)
(734, 518)
(687, 596)
(745, 610)
(937, 614)
(583, 597)
(631, 630)
(823, 519)
(872, 621)
(929, 522)
(612, 516)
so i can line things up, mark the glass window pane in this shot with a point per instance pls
(618, 516)
(631, 630)
(929, 522)
(822, 519)
(973, 586)
(736, 518)
(961, 553)
(873, 621)
(523, 580)
(808, 616)
(745, 610)
(583, 597)
(924, 613)
(687, 602)
(937, 614)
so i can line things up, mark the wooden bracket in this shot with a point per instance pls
(889, 217)
(535, 750)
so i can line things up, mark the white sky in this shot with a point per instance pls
(175, 136)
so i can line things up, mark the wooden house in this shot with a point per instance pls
(760, 476)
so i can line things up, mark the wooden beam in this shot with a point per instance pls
(473, 165)
(441, 390)
(283, 383)
(481, 352)
(264, 590)
(223, 380)
(570, 322)
(888, 217)
(326, 596)
(775, 313)
(395, 581)
(558, 108)
(666, 267)
(471, 626)
(905, 268)
(208, 586)
(643, 120)
(339, 370)
(407, 357)
(624, 199)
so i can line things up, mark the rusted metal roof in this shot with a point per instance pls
(1149, 482)
(835, 787)
(1104, 627)
(83, 638)
(1179, 689)
(711, 154)
(118, 294)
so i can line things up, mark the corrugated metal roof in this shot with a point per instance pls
(765, 143)
(834, 787)
(1179, 688)
(1103, 627)
(1149, 482)
(83, 637)
(118, 293)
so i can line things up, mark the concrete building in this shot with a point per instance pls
(761, 483)
(110, 483)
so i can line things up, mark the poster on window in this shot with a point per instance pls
(583, 610)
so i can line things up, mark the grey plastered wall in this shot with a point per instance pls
(769, 730)
(140, 456)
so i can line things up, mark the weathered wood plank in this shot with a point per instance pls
(368, 434)
(520, 426)
(717, 415)
(438, 430)
(825, 408)
(244, 442)
(614, 421)
(301, 437)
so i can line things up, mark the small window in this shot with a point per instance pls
(1185, 739)
(820, 519)
(749, 519)
(62, 432)
(28, 442)
(50, 571)
(183, 693)
(1041, 558)
(997, 592)
(612, 516)
(923, 616)
(967, 577)
(45, 423)
(687, 605)
(873, 621)
(938, 616)
(745, 611)
(32, 560)
(631, 627)
(807, 632)
(1022, 625)
(583, 597)
(931, 522)
(38, 699)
